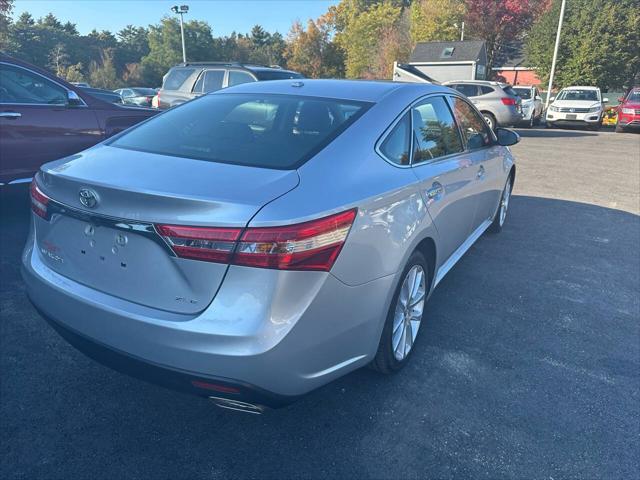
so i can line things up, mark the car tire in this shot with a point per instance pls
(402, 319)
(490, 119)
(503, 207)
(532, 121)
(619, 128)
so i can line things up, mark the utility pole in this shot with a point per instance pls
(462, 33)
(555, 54)
(181, 10)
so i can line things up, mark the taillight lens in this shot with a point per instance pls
(201, 243)
(311, 245)
(508, 100)
(39, 200)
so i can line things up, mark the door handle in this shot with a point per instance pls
(480, 174)
(10, 115)
(435, 192)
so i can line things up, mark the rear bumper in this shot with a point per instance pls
(508, 116)
(281, 333)
(187, 382)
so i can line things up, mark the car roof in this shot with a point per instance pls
(248, 66)
(478, 82)
(579, 87)
(357, 90)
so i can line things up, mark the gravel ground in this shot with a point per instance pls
(529, 365)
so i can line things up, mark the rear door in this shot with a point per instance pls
(210, 80)
(445, 171)
(37, 124)
(485, 157)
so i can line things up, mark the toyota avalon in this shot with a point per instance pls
(260, 241)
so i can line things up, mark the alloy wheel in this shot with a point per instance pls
(408, 312)
(504, 202)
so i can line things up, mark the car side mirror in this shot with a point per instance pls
(73, 100)
(620, 99)
(507, 137)
(605, 100)
(538, 97)
(552, 99)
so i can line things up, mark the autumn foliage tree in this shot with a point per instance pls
(311, 51)
(436, 20)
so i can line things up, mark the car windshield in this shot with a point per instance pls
(523, 93)
(574, 94)
(634, 96)
(144, 91)
(268, 131)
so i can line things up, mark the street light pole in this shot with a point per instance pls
(181, 10)
(462, 33)
(555, 54)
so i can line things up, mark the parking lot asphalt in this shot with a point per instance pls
(528, 365)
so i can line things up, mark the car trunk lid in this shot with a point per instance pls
(114, 247)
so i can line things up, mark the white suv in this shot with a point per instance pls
(581, 106)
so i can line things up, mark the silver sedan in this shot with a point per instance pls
(261, 241)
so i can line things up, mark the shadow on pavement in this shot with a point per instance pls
(527, 366)
(552, 132)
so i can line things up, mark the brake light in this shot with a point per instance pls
(313, 245)
(508, 100)
(201, 243)
(39, 200)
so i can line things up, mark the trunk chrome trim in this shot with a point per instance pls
(141, 228)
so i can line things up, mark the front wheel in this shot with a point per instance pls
(404, 317)
(501, 214)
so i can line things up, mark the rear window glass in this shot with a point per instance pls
(268, 131)
(276, 75)
(510, 91)
(485, 90)
(144, 91)
(524, 93)
(176, 78)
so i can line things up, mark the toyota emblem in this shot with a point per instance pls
(88, 198)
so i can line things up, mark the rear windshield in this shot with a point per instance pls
(176, 78)
(268, 131)
(509, 91)
(524, 93)
(276, 75)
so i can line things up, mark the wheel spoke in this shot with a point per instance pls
(415, 301)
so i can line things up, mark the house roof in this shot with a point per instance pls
(467, 51)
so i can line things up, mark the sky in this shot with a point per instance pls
(224, 16)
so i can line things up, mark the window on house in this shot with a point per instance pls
(447, 52)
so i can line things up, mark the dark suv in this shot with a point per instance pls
(43, 118)
(189, 80)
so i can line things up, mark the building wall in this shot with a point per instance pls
(518, 77)
(447, 72)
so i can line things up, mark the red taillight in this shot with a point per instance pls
(313, 245)
(39, 200)
(508, 100)
(216, 387)
(201, 243)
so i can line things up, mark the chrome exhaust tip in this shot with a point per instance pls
(237, 405)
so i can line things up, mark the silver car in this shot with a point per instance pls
(498, 102)
(263, 240)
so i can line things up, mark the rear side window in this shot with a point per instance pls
(396, 146)
(177, 78)
(435, 131)
(467, 90)
(236, 77)
(484, 90)
(474, 129)
(213, 80)
(267, 131)
(510, 91)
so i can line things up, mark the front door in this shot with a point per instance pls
(36, 123)
(486, 159)
(445, 172)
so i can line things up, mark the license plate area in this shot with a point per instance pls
(571, 116)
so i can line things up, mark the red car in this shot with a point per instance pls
(43, 118)
(629, 111)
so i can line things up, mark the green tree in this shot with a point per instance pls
(598, 46)
(103, 74)
(311, 51)
(73, 73)
(436, 20)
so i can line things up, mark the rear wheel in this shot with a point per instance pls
(404, 317)
(503, 207)
(619, 128)
(532, 120)
(490, 119)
